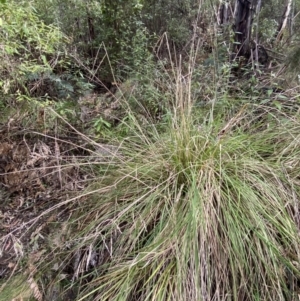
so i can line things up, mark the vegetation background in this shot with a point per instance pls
(149, 150)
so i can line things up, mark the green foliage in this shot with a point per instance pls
(174, 17)
(115, 24)
(294, 59)
(30, 48)
(99, 124)
(16, 287)
(67, 110)
(147, 94)
(127, 29)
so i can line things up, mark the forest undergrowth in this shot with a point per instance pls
(202, 204)
(177, 182)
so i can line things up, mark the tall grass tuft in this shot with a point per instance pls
(206, 210)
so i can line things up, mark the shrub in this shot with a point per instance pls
(30, 48)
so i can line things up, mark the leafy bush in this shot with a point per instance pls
(101, 28)
(30, 48)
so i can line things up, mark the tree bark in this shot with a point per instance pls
(284, 20)
(224, 12)
(243, 18)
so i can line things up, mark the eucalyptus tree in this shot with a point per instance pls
(244, 12)
(285, 20)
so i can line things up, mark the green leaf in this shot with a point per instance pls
(269, 92)
(278, 105)
(43, 57)
(10, 50)
(281, 96)
(265, 101)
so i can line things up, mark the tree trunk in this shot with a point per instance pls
(224, 12)
(284, 20)
(243, 18)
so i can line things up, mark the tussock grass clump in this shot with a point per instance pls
(201, 212)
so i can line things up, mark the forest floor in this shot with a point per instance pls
(37, 172)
